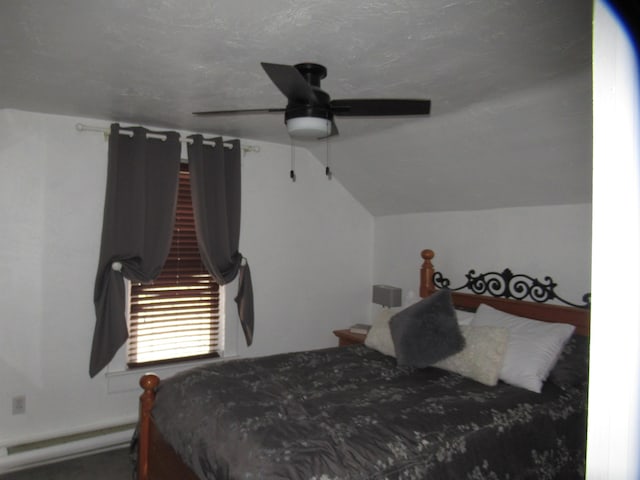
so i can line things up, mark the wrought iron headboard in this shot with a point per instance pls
(510, 285)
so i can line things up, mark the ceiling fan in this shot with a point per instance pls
(310, 111)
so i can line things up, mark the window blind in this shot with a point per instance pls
(178, 315)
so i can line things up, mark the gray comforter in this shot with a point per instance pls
(352, 413)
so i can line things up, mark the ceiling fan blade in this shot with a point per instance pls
(290, 82)
(358, 107)
(240, 112)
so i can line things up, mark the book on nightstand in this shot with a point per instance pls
(360, 328)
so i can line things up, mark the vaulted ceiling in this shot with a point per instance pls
(509, 80)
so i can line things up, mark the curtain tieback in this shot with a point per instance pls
(117, 266)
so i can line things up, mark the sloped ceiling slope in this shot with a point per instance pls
(510, 82)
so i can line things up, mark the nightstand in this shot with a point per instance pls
(345, 337)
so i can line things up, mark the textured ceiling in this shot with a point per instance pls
(510, 83)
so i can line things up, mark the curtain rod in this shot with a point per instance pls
(125, 131)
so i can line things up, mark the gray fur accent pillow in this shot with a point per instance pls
(427, 331)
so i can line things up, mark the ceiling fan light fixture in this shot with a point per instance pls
(308, 127)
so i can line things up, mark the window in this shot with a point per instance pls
(178, 316)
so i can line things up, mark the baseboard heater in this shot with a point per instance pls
(51, 450)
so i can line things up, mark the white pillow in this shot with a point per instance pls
(483, 355)
(464, 317)
(533, 348)
(379, 336)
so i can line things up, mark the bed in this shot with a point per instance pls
(357, 413)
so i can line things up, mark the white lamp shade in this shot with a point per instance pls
(308, 127)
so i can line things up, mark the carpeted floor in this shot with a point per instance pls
(111, 465)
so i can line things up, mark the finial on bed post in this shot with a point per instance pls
(149, 383)
(426, 274)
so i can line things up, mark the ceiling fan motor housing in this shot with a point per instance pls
(312, 72)
(316, 107)
(311, 119)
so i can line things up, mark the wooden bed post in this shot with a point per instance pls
(149, 383)
(426, 274)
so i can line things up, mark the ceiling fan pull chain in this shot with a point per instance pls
(292, 172)
(327, 170)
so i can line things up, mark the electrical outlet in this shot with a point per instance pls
(19, 405)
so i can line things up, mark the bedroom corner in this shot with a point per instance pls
(53, 178)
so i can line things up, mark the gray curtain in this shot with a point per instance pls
(216, 191)
(139, 213)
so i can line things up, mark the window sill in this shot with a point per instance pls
(121, 381)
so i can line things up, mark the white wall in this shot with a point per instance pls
(614, 371)
(309, 245)
(310, 248)
(539, 241)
